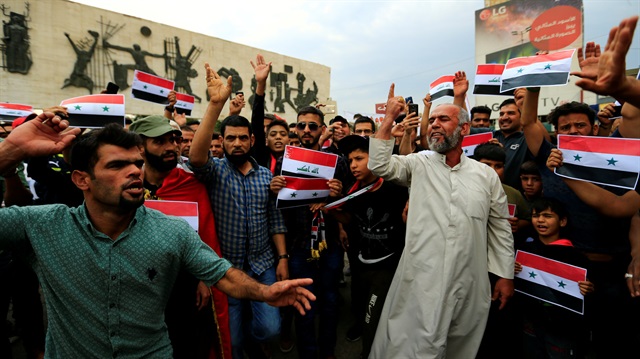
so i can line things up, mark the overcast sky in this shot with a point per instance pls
(367, 44)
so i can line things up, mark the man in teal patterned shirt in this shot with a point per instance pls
(107, 267)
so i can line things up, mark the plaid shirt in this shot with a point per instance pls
(246, 216)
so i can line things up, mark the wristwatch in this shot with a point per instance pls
(283, 256)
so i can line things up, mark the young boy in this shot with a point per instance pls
(551, 331)
(377, 214)
(531, 181)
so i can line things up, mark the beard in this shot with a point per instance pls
(159, 163)
(448, 142)
(128, 204)
(236, 159)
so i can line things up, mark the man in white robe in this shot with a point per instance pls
(457, 232)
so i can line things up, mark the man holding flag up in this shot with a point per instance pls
(457, 232)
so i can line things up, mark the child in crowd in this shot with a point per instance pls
(531, 181)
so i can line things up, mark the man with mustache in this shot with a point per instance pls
(249, 225)
(188, 320)
(107, 267)
(457, 232)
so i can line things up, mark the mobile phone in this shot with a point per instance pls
(413, 107)
(112, 88)
(617, 113)
(408, 99)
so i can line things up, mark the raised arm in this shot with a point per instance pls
(261, 69)
(534, 133)
(460, 88)
(424, 123)
(219, 91)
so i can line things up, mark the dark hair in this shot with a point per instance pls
(278, 123)
(540, 204)
(235, 121)
(293, 135)
(292, 125)
(490, 151)
(270, 116)
(365, 119)
(357, 116)
(192, 121)
(506, 102)
(84, 152)
(481, 109)
(529, 168)
(569, 108)
(311, 109)
(215, 136)
(186, 128)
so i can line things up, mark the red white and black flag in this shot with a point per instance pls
(550, 280)
(441, 87)
(302, 191)
(151, 88)
(187, 211)
(95, 111)
(603, 160)
(470, 142)
(488, 79)
(184, 103)
(541, 70)
(11, 111)
(302, 162)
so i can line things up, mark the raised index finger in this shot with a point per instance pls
(392, 90)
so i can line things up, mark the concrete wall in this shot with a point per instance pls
(54, 58)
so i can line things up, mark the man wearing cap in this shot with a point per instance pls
(164, 180)
(338, 129)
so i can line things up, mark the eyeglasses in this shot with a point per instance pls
(312, 126)
(363, 132)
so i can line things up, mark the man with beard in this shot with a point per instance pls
(191, 324)
(249, 225)
(107, 267)
(327, 269)
(457, 232)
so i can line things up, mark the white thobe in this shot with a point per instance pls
(457, 232)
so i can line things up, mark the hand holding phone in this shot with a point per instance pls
(413, 108)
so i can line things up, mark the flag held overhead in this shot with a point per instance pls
(534, 71)
(441, 87)
(185, 103)
(95, 111)
(151, 88)
(488, 79)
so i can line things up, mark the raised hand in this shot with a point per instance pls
(261, 68)
(460, 84)
(588, 60)
(46, 134)
(218, 90)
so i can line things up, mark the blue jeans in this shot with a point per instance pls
(259, 321)
(326, 276)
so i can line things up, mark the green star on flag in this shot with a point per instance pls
(161, 91)
(466, 151)
(105, 109)
(78, 107)
(611, 162)
(520, 70)
(145, 86)
(315, 194)
(293, 195)
(547, 67)
(577, 158)
(562, 284)
(532, 275)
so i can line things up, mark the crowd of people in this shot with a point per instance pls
(427, 230)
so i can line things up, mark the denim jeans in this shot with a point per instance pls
(258, 321)
(326, 276)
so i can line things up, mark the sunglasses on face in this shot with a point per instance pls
(312, 126)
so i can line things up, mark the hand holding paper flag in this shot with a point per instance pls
(470, 142)
(151, 88)
(541, 70)
(185, 103)
(302, 162)
(95, 111)
(441, 87)
(488, 80)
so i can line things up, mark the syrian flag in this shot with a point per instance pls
(541, 70)
(488, 79)
(470, 142)
(151, 88)
(302, 162)
(603, 160)
(11, 111)
(95, 111)
(550, 281)
(184, 103)
(185, 210)
(441, 87)
(302, 191)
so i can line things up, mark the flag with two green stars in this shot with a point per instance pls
(151, 88)
(603, 160)
(95, 111)
(550, 281)
(541, 70)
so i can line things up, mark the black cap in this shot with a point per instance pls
(338, 119)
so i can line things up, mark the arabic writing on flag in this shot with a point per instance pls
(488, 79)
(151, 88)
(470, 142)
(11, 111)
(302, 191)
(550, 281)
(381, 108)
(541, 70)
(603, 160)
(188, 211)
(441, 87)
(302, 162)
(185, 103)
(95, 111)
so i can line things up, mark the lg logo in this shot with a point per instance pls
(486, 13)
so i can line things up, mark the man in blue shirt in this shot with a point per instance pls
(107, 267)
